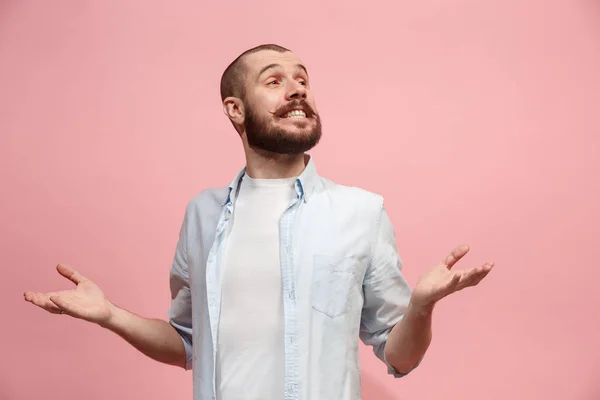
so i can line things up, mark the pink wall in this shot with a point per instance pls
(479, 122)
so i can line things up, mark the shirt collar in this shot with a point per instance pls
(305, 182)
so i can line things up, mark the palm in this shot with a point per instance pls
(441, 280)
(86, 301)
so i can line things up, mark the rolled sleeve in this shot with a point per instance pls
(386, 292)
(180, 311)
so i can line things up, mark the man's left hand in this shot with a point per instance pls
(441, 280)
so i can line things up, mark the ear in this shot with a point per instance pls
(234, 109)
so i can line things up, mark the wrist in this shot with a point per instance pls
(420, 308)
(111, 322)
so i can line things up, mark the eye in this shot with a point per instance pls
(271, 82)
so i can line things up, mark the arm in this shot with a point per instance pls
(155, 338)
(409, 339)
(387, 301)
(400, 320)
(169, 342)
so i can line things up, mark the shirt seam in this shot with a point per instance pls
(376, 237)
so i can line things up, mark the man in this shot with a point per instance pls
(276, 276)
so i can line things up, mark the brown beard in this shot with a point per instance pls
(261, 133)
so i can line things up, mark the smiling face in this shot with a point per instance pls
(277, 111)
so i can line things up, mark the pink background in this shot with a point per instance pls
(478, 120)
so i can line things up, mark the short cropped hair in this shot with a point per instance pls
(234, 76)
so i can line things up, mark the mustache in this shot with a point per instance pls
(295, 104)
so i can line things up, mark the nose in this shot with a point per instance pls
(296, 91)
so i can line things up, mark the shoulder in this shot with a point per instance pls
(347, 204)
(352, 196)
(208, 199)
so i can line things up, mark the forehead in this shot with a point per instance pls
(257, 62)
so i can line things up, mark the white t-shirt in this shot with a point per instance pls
(250, 359)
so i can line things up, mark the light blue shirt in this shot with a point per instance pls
(341, 282)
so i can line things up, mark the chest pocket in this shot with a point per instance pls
(332, 283)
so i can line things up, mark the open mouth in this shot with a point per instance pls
(294, 114)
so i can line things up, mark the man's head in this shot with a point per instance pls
(266, 95)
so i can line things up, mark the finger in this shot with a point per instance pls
(69, 273)
(474, 276)
(486, 270)
(455, 282)
(456, 254)
(63, 305)
(479, 279)
(43, 301)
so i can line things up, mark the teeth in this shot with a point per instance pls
(295, 114)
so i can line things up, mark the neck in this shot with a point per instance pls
(266, 165)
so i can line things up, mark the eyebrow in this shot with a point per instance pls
(270, 66)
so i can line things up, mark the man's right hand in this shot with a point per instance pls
(86, 301)
(155, 338)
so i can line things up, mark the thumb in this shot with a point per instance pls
(70, 273)
(454, 256)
